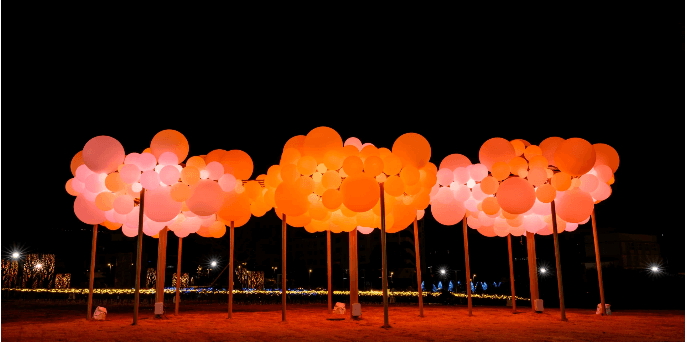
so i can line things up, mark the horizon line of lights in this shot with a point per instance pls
(372, 293)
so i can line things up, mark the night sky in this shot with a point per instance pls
(588, 85)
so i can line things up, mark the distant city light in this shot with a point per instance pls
(442, 271)
(654, 269)
(543, 270)
(39, 266)
(213, 263)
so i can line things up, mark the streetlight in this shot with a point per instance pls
(654, 269)
(110, 267)
(15, 255)
(213, 263)
(543, 270)
(310, 278)
(442, 271)
(39, 266)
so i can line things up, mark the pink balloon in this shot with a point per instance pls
(119, 218)
(603, 173)
(585, 220)
(364, 230)
(146, 161)
(575, 206)
(501, 227)
(454, 161)
(150, 180)
(366, 144)
(168, 158)
(571, 227)
(169, 174)
(354, 142)
(473, 222)
(90, 196)
(87, 211)
(471, 204)
(448, 214)
(181, 233)
(123, 204)
(445, 177)
(546, 230)
(486, 220)
(419, 214)
(129, 231)
(93, 183)
(588, 182)
(82, 173)
(602, 192)
(227, 182)
(488, 231)
(154, 224)
(208, 220)
(191, 224)
(131, 158)
(434, 190)
(109, 215)
(477, 193)
(462, 175)
(540, 208)
(461, 192)
(215, 169)
(136, 187)
(78, 185)
(478, 172)
(206, 199)
(129, 173)
(532, 223)
(159, 206)
(444, 195)
(133, 217)
(150, 230)
(103, 154)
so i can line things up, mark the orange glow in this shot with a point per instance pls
(170, 141)
(516, 195)
(412, 149)
(575, 157)
(496, 150)
(320, 140)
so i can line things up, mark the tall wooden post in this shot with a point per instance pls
(599, 264)
(92, 271)
(384, 274)
(161, 266)
(562, 306)
(354, 280)
(283, 282)
(511, 275)
(418, 265)
(468, 266)
(330, 287)
(136, 300)
(230, 274)
(532, 268)
(178, 276)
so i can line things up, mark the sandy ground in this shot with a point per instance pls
(48, 321)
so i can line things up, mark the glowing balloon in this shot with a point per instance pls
(289, 173)
(360, 192)
(145, 161)
(537, 176)
(545, 193)
(172, 141)
(103, 154)
(364, 230)
(180, 192)
(105, 201)
(532, 151)
(76, 161)
(291, 199)
(150, 179)
(237, 163)
(169, 175)
(445, 177)
(519, 146)
(70, 188)
(409, 175)
(353, 166)
(392, 164)
(206, 199)
(129, 173)
(487, 231)
(196, 162)
(227, 182)
(320, 140)
(444, 195)
(500, 170)
(82, 173)
(516, 195)
(235, 207)
(603, 173)
(123, 204)
(477, 172)
(575, 206)
(496, 150)
(306, 165)
(561, 181)
(295, 142)
(461, 192)
(412, 149)
(588, 182)
(190, 175)
(477, 193)
(159, 206)
(454, 161)
(95, 183)
(354, 142)
(575, 156)
(129, 231)
(168, 158)
(215, 169)
(473, 222)
(462, 175)
(606, 155)
(538, 161)
(448, 214)
(394, 186)
(518, 164)
(549, 147)
(532, 223)
(490, 206)
(373, 166)
(602, 192)
(114, 183)
(333, 159)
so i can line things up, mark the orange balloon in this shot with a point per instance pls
(606, 155)
(365, 219)
(500, 170)
(546, 193)
(532, 151)
(190, 175)
(403, 217)
(289, 173)
(319, 141)
(111, 225)
(428, 175)
(70, 188)
(206, 198)
(333, 159)
(291, 199)
(331, 180)
(290, 156)
(412, 149)
(490, 205)
(489, 185)
(516, 195)
(561, 181)
(409, 175)
(172, 141)
(536, 176)
(319, 189)
(519, 146)
(269, 198)
(306, 165)
(114, 183)
(296, 142)
(306, 184)
(575, 206)
(353, 166)
(508, 216)
(538, 161)
(373, 165)
(214, 156)
(332, 199)
(197, 162)
(421, 201)
(298, 221)
(575, 156)
(392, 165)
(368, 151)
(317, 211)
(76, 161)
(254, 190)
(413, 189)
(360, 192)
(180, 192)
(347, 212)
(517, 164)
(454, 161)
(105, 200)
(237, 163)
(383, 152)
(496, 150)
(549, 147)
(350, 150)
(394, 186)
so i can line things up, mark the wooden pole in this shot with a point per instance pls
(178, 276)
(283, 282)
(136, 300)
(384, 273)
(468, 266)
(511, 275)
(230, 275)
(92, 272)
(532, 268)
(330, 287)
(161, 266)
(562, 306)
(354, 281)
(418, 265)
(599, 264)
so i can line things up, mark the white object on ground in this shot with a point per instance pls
(607, 308)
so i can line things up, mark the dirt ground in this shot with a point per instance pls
(49, 321)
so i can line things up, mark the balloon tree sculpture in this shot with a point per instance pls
(322, 184)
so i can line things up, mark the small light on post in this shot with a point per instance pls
(442, 271)
(213, 263)
(543, 270)
(15, 255)
(654, 269)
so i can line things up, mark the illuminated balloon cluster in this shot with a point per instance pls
(199, 196)
(323, 184)
(510, 191)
